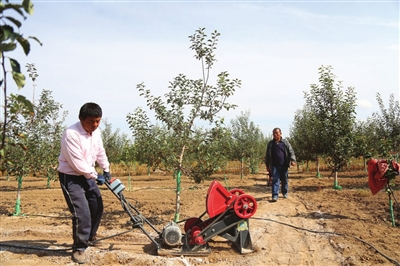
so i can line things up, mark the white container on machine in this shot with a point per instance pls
(117, 186)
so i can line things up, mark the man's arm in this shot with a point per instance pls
(267, 157)
(292, 156)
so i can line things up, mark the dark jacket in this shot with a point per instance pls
(289, 154)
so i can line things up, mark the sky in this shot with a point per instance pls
(98, 51)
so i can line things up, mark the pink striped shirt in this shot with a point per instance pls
(80, 151)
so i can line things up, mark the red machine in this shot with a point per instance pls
(228, 217)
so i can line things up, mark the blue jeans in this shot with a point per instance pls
(279, 176)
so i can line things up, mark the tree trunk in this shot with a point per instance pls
(18, 201)
(336, 182)
(317, 162)
(365, 165)
(129, 182)
(226, 182)
(241, 168)
(178, 187)
(178, 197)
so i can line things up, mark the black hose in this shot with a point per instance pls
(34, 248)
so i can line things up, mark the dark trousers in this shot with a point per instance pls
(86, 205)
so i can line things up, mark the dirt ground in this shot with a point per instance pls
(316, 225)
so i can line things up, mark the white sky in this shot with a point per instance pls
(99, 51)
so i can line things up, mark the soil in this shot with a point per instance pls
(315, 225)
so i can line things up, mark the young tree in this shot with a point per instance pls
(334, 111)
(249, 143)
(13, 105)
(44, 134)
(305, 137)
(17, 162)
(191, 99)
(41, 136)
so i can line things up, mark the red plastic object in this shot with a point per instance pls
(245, 206)
(196, 238)
(199, 240)
(218, 199)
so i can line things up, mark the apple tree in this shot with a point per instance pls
(334, 113)
(191, 100)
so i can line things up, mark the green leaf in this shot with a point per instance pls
(19, 79)
(6, 32)
(5, 47)
(16, 8)
(15, 65)
(36, 39)
(28, 6)
(13, 20)
(25, 44)
(26, 102)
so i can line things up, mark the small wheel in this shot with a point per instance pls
(245, 206)
(237, 191)
(191, 222)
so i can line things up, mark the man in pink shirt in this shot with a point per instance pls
(81, 148)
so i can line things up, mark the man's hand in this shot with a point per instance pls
(292, 163)
(100, 180)
(107, 176)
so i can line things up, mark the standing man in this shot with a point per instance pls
(81, 148)
(278, 158)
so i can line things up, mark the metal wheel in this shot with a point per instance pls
(245, 206)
